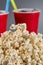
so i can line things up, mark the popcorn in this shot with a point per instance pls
(19, 47)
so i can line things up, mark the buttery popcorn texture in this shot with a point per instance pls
(19, 47)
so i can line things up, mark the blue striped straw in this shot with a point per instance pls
(7, 5)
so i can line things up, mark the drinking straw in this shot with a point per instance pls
(14, 5)
(7, 5)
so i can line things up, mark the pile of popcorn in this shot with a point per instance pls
(19, 47)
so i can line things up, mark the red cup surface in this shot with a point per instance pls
(3, 21)
(30, 18)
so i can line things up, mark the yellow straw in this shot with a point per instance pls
(14, 5)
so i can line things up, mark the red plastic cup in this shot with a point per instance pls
(3, 21)
(28, 16)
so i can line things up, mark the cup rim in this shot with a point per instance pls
(26, 9)
(4, 13)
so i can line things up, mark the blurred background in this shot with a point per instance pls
(24, 4)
